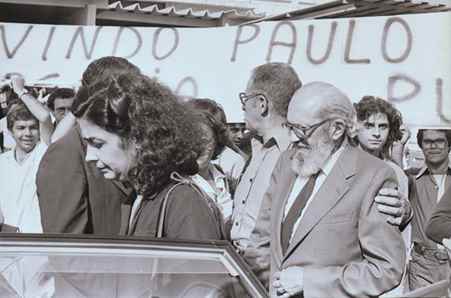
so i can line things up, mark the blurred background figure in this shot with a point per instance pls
(60, 102)
(241, 137)
(212, 179)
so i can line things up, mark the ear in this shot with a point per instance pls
(337, 129)
(263, 106)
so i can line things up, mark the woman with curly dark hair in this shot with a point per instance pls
(137, 132)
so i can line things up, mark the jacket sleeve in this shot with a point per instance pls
(439, 225)
(61, 187)
(383, 258)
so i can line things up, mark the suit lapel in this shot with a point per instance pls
(332, 190)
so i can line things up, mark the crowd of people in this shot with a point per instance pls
(318, 201)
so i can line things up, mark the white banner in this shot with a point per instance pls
(405, 59)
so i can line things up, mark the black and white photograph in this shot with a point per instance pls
(225, 148)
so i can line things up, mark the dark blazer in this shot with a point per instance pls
(343, 243)
(74, 197)
(439, 224)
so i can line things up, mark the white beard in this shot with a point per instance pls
(309, 161)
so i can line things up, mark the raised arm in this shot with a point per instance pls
(63, 127)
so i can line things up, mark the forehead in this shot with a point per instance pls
(380, 118)
(434, 134)
(91, 130)
(30, 122)
(299, 113)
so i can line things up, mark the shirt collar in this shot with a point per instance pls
(327, 168)
(217, 173)
(425, 170)
(282, 140)
(269, 144)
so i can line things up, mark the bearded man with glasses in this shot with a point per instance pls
(328, 237)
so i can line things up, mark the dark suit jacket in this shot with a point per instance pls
(74, 197)
(439, 225)
(343, 243)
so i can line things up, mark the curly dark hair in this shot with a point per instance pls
(143, 112)
(212, 115)
(104, 67)
(370, 105)
(64, 93)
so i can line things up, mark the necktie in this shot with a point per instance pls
(296, 210)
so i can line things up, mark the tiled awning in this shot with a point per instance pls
(358, 8)
(166, 10)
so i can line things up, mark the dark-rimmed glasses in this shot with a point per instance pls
(303, 132)
(439, 143)
(245, 97)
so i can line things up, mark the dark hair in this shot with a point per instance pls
(420, 134)
(18, 112)
(104, 67)
(63, 93)
(279, 82)
(213, 116)
(370, 105)
(143, 112)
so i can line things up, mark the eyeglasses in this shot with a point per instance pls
(245, 97)
(303, 132)
(440, 143)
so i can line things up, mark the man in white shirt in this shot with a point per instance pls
(18, 169)
(264, 103)
(328, 237)
(18, 200)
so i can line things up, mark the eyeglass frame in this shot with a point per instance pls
(245, 97)
(305, 132)
(440, 143)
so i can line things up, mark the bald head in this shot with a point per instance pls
(319, 99)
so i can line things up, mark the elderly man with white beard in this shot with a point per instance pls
(328, 238)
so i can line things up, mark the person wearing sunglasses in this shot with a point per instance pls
(328, 237)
